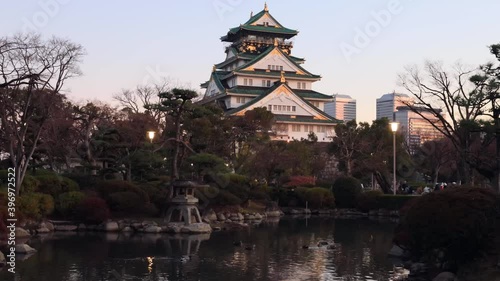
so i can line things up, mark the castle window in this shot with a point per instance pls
(294, 108)
(295, 128)
(245, 81)
(269, 83)
(263, 83)
(275, 107)
(298, 85)
(250, 82)
(270, 107)
(303, 85)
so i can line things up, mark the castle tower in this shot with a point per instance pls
(260, 71)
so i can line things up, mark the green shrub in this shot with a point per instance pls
(459, 223)
(345, 191)
(238, 179)
(68, 201)
(55, 185)
(92, 210)
(226, 198)
(368, 200)
(106, 188)
(125, 201)
(259, 193)
(84, 181)
(394, 202)
(218, 197)
(36, 205)
(157, 192)
(318, 198)
(29, 184)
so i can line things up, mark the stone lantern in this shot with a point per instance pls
(184, 209)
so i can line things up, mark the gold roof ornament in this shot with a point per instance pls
(282, 78)
(214, 68)
(265, 7)
(251, 14)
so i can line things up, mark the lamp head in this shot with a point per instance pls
(151, 135)
(394, 126)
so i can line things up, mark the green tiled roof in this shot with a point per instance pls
(270, 90)
(266, 52)
(302, 119)
(276, 74)
(248, 90)
(310, 94)
(262, 28)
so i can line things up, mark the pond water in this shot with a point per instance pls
(270, 251)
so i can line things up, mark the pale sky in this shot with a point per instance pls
(133, 42)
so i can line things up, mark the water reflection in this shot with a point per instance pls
(271, 251)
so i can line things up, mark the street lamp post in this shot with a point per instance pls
(394, 129)
(151, 136)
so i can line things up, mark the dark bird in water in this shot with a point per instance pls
(305, 247)
(322, 243)
(237, 243)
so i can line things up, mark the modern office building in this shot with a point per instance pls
(417, 129)
(259, 71)
(387, 104)
(343, 107)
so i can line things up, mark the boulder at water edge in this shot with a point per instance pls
(2, 259)
(24, 249)
(196, 228)
(21, 233)
(445, 276)
(111, 226)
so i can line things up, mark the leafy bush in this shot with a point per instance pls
(157, 192)
(125, 202)
(29, 184)
(68, 201)
(345, 190)
(218, 197)
(226, 198)
(106, 188)
(259, 193)
(454, 225)
(55, 185)
(238, 179)
(36, 205)
(304, 181)
(92, 210)
(84, 181)
(394, 202)
(318, 197)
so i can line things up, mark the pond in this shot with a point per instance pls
(269, 251)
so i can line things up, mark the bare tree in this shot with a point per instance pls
(143, 97)
(436, 89)
(33, 73)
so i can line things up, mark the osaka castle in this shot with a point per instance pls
(260, 71)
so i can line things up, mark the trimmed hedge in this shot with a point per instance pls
(55, 185)
(68, 201)
(92, 210)
(453, 226)
(345, 190)
(36, 205)
(375, 199)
